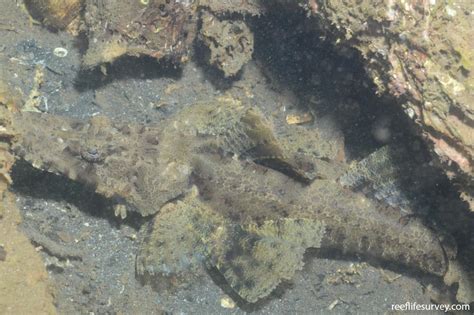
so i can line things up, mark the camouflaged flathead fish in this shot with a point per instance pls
(228, 191)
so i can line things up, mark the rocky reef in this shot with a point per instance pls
(221, 183)
(420, 52)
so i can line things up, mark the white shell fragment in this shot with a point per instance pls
(226, 302)
(60, 52)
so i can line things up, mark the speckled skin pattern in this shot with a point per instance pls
(231, 194)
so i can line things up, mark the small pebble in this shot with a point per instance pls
(65, 236)
(450, 11)
(293, 119)
(333, 305)
(226, 302)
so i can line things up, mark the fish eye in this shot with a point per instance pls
(92, 155)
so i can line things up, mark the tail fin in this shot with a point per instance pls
(394, 175)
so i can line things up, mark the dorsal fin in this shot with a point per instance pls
(267, 150)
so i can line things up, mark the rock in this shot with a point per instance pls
(252, 7)
(226, 302)
(57, 14)
(156, 28)
(230, 43)
(421, 53)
